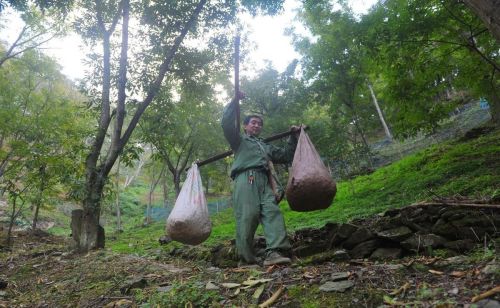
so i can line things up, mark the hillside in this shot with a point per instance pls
(135, 270)
(467, 167)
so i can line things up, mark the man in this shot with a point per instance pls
(253, 197)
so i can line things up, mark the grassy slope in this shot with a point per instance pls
(467, 168)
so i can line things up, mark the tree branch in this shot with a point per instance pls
(122, 82)
(155, 86)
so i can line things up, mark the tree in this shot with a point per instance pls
(426, 51)
(489, 12)
(37, 30)
(184, 129)
(42, 132)
(164, 26)
(155, 173)
(336, 68)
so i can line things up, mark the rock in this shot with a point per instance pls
(359, 236)
(364, 249)
(329, 256)
(3, 284)
(336, 286)
(492, 268)
(458, 260)
(387, 253)
(474, 233)
(308, 250)
(454, 213)
(339, 276)
(344, 231)
(164, 240)
(136, 283)
(488, 303)
(331, 226)
(211, 286)
(3, 293)
(419, 242)
(397, 234)
(392, 212)
(340, 234)
(164, 288)
(390, 267)
(340, 255)
(446, 229)
(385, 223)
(122, 303)
(213, 269)
(460, 245)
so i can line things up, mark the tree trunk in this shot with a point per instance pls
(11, 222)
(150, 201)
(489, 12)
(87, 232)
(117, 202)
(177, 182)
(38, 201)
(35, 216)
(380, 115)
(494, 102)
(165, 191)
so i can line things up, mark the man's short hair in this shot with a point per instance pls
(249, 117)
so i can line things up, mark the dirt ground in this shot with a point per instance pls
(40, 271)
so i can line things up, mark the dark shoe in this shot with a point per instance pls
(252, 264)
(275, 258)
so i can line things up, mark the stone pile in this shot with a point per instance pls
(420, 228)
(414, 229)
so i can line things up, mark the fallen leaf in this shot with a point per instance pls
(252, 283)
(258, 292)
(272, 299)
(403, 289)
(409, 263)
(270, 268)
(309, 275)
(431, 261)
(238, 290)
(436, 272)
(230, 285)
(457, 274)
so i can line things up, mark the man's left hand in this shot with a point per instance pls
(296, 129)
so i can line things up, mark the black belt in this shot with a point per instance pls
(257, 169)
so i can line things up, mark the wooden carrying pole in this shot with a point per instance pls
(237, 80)
(228, 153)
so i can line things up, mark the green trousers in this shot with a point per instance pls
(254, 202)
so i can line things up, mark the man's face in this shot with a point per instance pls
(254, 127)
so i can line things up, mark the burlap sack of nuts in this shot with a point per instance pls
(310, 185)
(189, 221)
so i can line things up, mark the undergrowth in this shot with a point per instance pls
(457, 168)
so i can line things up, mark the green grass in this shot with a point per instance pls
(466, 168)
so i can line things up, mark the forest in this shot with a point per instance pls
(402, 103)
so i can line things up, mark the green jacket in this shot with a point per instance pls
(252, 152)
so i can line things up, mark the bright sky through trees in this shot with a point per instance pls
(267, 33)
